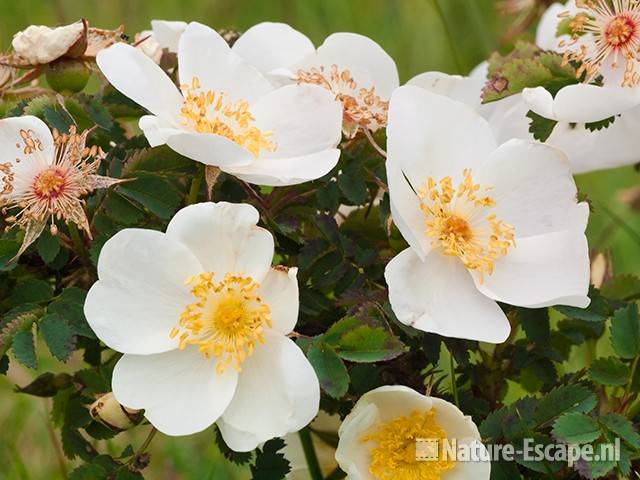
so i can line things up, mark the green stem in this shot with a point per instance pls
(618, 220)
(591, 353)
(78, 243)
(310, 454)
(447, 31)
(195, 185)
(454, 387)
(634, 367)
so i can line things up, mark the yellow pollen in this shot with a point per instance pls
(619, 31)
(393, 455)
(226, 321)
(49, 184)
(211, 112)
(460, 222)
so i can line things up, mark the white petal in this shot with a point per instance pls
(431, 135)
(541, 271)
(582, 103)
(137, 76)
(156, 129)
(238, 440)
(179, 390)
(141, 291)
(26, 160)
(303, 119)
(533, 189)
(278, 172)
(207, 148)
(453, 421)
(279, 290)
(438, 295)
(463, 89)
(168, 33)
(204, 54)
(548, 27)
(225, 238)
(364, 58)
(611, 147)
(467, 470)
(269, 46)
(406, 211)
(278, 391)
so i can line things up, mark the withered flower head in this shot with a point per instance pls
(44, 176)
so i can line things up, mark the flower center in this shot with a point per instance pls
(226, 320)
(394, 454)
(460, 222)
(211, 112)
(50, 183)
(361, 107)
(620, 31)
(615, 37)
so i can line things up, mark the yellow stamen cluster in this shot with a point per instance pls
(226, 321)
(362, 108)
(211, 112)
(615, 27)
(393, 455)
(460, 222)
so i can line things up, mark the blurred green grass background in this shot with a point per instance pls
(413, 32)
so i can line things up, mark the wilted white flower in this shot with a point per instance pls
(605, 38)
(379, 439)
(484, 223)
(164, 35)
(44, 176)
(228, 114)
(202, 319)
(354, 68)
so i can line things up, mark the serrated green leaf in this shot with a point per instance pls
(625, 331)
(540, 127)
(576, 428)
(48, 246)
(239, 458)
(352, 185)
(120, 209)
(100, 467)
(153, 192)
(622, 427)
(32, 291)
(331, 371)
(57, 118)
(564, 399)
(609, 371)
(58, 336)
(270, 463)
(599, 125)
(8, 251)
(24, 349)
(47, 385)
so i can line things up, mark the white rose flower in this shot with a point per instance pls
(605, 39)
(378, 439)
(228, 114)
(202, 319)
(587, 151)
(164, 34)
(484, 223)
(354, 68)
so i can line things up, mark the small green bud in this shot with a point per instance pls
(68, 75)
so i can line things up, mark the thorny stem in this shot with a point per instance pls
(374, 144)
(447, 31)
(310, 454)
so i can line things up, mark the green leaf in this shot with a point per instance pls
(609, 371)
(8, 251)
(58, 336)
(526, 66)
(48, 246)
(57, 118)
(599, 125)
(24, 349)
(69, 305)
(625, 331)
(239, 458)
(47, 385)
(356, 341)
(622, 287)
(153, 192)
(270, 463)
(32, 291)
(564, 399)
(331, 371)
(576, 428)
(158, 160)
(352, 184)
(622, 427)
(121, 209)
(100, 467)
(540, 127)
(535, 323)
